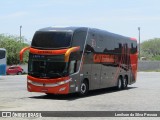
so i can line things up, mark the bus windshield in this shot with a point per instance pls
(47, 66)
(51, 40)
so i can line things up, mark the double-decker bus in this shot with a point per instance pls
(2, 61)
(79, 59)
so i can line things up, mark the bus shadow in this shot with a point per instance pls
(75, 96)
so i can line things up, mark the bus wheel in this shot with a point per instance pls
(84, 88)
(125, 82)
(50, 94)
(119, 83)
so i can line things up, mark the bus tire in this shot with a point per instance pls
(84, 88)
(49, 94)
(119, 83)
(125, 82)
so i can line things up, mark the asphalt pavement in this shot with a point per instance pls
(144, 95)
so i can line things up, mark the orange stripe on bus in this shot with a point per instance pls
(47, 52)
(67, 54)
(22, 51)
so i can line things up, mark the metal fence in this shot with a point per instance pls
(149, 66)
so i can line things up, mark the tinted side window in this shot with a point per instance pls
(79, 39)
(90, 45)
(133, 47)
(109, 44)
(100, 42)
(92, 42)
(119, 43)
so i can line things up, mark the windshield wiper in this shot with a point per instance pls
(34, 73)
(37, 74)
(53, 73)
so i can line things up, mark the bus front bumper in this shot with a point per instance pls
(61, 87)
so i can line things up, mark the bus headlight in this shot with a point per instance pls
(64, 82)
(49, 84)
(29, 81)
(61, 83)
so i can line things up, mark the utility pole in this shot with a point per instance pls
(20, 32)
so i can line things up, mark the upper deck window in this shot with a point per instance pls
(79, 39)
(51, 40)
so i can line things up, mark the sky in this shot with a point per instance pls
(117, 16)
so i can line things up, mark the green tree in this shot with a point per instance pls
(151, 49)
(13, 46)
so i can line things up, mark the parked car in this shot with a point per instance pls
(14, 70)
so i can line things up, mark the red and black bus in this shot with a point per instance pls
(78, 59)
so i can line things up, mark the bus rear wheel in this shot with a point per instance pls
(125, 82)
(84, 88)
(50, 94)
(119, 83)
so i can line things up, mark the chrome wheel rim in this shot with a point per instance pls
(83, 88)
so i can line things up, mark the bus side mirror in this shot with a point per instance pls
(22, 52)
(69, 51)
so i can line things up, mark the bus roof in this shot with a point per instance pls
(72, 29)
(61, 28)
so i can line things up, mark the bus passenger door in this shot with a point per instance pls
(92, 67)
(95, 75)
